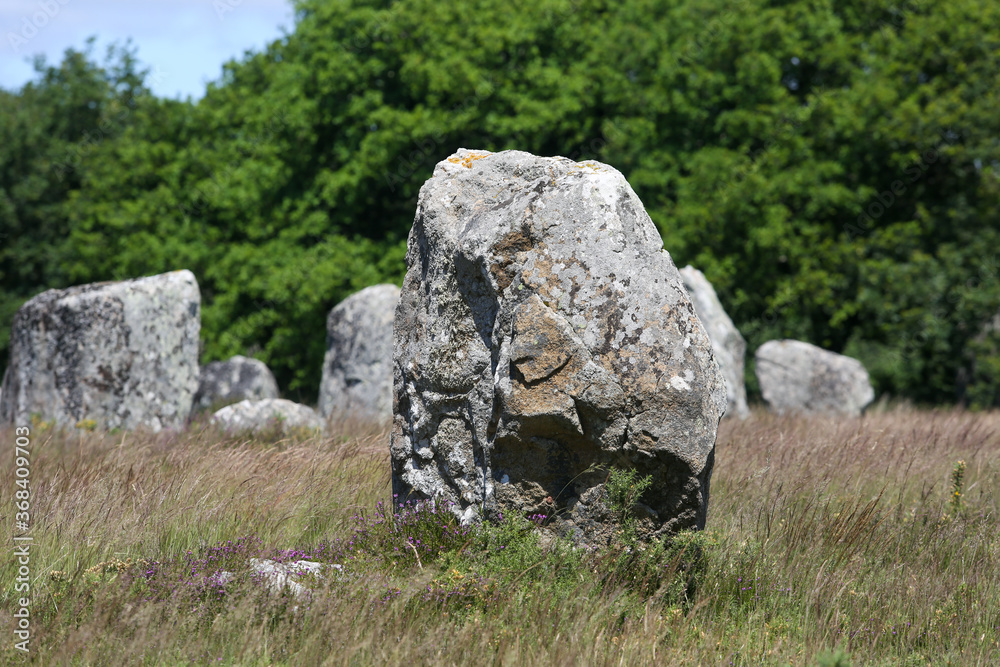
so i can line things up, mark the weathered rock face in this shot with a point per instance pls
(124, 354)
(799, 377)
(234, 380)
(542, 331)
(266, 414)
(357, 368)
(727, 343)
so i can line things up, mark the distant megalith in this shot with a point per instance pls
(357, 368)
(235, 379)
(543, 337)
(122, 354)
(727, 343)
(275, 414)
(798, 377)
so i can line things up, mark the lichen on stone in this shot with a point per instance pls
(543, 336)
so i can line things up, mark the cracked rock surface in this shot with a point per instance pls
(542, 337)
(123, 354)
(357, 367)
(799, 377)
(729, 346)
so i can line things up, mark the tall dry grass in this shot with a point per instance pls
(824, 535)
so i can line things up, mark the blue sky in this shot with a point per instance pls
(183, 42)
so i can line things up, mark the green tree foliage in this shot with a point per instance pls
(45, 132)
(833, 168)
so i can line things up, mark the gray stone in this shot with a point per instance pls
(279, 576)
(357, 368)
(269, 413)
(123, 354)
(233, 380)
(222, 577)
(543, 336)
(798, 377)
(727, 343)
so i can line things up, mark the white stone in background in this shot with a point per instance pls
(727, 343)
(798, 377)
(357, 368)
(266, 414)
(124, 354)
(234, 379)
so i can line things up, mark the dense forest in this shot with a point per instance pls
(832, 167)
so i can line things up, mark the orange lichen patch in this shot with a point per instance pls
(593, 166)
(506, 250)
(468, 159)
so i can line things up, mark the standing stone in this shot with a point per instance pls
(124, 354)
(269, 413)
(727, 343)
(233, 380)
(543, 336)
(357, 368)
(800, 377)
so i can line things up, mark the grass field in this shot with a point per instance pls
(872, 541)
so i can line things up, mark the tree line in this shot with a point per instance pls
(832, 167)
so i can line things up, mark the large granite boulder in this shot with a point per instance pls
(357, 368)
(543, 337)
(727, 343)
(798, 377)
(233, 380)
(275, 414)
(123, 354)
